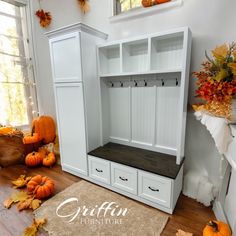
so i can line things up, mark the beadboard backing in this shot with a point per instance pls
(119, 113)
(143, 115)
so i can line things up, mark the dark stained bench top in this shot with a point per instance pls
(155, 162)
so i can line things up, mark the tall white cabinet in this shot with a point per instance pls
(122, 125)
(76, 90)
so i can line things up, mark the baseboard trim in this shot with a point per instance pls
(219, 211)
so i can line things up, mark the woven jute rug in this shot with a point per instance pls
(85, 209)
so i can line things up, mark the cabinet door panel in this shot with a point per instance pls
(66, 58)
(71, 126)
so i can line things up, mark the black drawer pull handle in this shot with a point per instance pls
(100, 171)
(123, 179)
(153, 189)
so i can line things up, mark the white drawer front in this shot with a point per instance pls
(154, 188)
(124, 178)
(99, 169)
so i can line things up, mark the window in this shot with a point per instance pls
(126, 5)
(17, 87)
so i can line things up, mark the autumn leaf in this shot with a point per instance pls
(32, 230)
(233, 67)
(20, 196)
(21, 181)
(182, 233)
(8, 202)
(220, 52)
(44, 17)
(22, 205)
(35, 204)
(40, 222)
(221, 75)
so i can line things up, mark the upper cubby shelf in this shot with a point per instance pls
(109, 58)
(153, 54)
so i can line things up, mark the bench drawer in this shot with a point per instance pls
(154, 188)
(99, 169)
(124, 178)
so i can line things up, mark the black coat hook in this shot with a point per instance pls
(121, 84)
(162, 82)
(135, 83)
(112, 85)
(177, 82)
(145, 83)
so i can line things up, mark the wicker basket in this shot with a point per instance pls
(11, 149)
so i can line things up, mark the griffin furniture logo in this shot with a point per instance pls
(106, 213)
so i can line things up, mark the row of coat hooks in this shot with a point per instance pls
(144, 83)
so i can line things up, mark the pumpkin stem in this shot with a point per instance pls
(213, 225)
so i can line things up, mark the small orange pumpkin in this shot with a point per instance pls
(162, 1)
(49, 160)
(147, 3)
(7, 130)
(41, 186)
(34, 138)
(33, 159)
(45, 127)
(217, 228)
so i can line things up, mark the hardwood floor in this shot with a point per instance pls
(189, 215)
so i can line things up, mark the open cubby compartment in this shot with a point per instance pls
(135, 56)
(109, 58)
(140, 111)
(167, 52)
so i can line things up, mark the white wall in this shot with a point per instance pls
(211, 22)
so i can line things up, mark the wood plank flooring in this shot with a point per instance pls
(189, 215)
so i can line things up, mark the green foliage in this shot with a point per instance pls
(13, 105)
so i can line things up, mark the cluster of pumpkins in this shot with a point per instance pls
(42, 157)
(149, 3)
(44, 131)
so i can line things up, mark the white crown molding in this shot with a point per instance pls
(78, 27)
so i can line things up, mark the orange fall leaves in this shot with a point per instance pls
(45, 18)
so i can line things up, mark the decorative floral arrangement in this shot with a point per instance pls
(84, 5)
(216, 81)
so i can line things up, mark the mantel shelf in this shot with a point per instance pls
(152, 72)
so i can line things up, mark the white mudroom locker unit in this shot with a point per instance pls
(121, 110)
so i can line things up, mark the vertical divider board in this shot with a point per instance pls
(119, 114)
(183, 98)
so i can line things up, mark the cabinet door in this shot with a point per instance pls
(66, 58)
(71, 126)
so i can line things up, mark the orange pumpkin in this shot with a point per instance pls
(41, 186)
(45, 127)
(49, 160)
(7, 130)
(34, 138)
(217, 228)
(147, 3)
(162, 1)
(33, 159)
